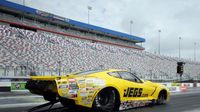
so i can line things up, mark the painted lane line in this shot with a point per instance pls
(16, 97)
(20, 105)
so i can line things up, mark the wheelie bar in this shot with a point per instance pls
(50, 104)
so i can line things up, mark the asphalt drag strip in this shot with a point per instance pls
(180, 102)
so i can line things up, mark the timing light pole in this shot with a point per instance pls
(131, 23)
(89, 8)
(195, 51)
(179, 47)
(59, 68)
(24, 2)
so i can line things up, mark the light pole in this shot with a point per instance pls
(131, 23)
(59, 68)
(23, 2)
(159, 31)
(89, 8)
(195, 51)
(179, 47)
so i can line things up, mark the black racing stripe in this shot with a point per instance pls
(154, 91)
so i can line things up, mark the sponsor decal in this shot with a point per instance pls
(18, 86)
(72, 80)
(86, 102)
(144, 95)
(92, 88)
(89, 80)
(175, 84)
(82, 85)
(133, 104)
(90, 96)
(88, 87)
(82, 89)
(133, 92)
(64, 92)
(84, 98)
(89, 84)
(82, 81)
(91, 92)
(63, 86)
(73, 85)
(100, 82)
(95, 83)
(89, 101)
(64, 82)
(84, 94)
(72, 93)
(173, 88)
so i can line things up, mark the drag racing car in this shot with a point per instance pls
(105, 90)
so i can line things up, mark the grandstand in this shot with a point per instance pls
(31, 39)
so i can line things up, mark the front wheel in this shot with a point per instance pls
(105, 101)
(161, 99)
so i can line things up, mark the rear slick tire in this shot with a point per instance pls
(105, 101)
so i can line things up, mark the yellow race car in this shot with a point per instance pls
(105, 90)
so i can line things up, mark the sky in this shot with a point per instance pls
(175, 18)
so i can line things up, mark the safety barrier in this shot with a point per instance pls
(184, 88)
(180, 87)
(198, 84)
(173, 87)
(187, 84)
(18, 86)
(5, 86)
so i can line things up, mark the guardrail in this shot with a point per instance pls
(180, 87)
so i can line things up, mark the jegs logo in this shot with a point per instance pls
(133, 92)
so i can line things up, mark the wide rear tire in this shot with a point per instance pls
(105, 101)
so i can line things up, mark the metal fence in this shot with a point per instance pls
(23, 71)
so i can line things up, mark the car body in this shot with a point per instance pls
(107, 90)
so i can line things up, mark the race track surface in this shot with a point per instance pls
(178, 103)
(184, 102)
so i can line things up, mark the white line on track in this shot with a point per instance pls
(16, 97)
(180, 93)
(196, 110)
(20, 105)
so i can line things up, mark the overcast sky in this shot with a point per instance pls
(175, 18)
